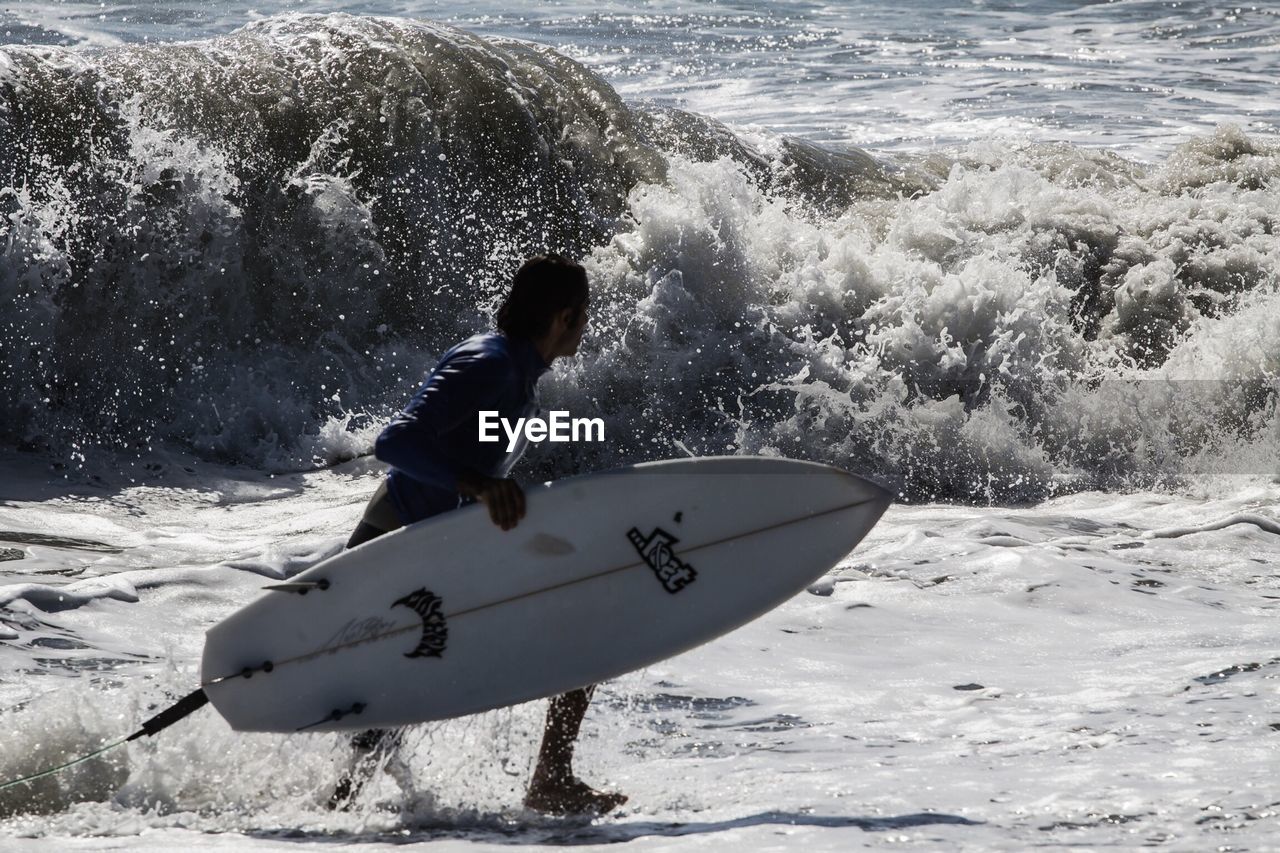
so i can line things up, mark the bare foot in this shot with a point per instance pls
(570, 797)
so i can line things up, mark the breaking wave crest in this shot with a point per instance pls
(252, 247)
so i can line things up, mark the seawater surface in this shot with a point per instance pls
(1138, 75)
(1016, 260)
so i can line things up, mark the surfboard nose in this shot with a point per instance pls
(873, 490)
(863, 489)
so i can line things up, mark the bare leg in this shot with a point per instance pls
(554, 789)
(368, 746)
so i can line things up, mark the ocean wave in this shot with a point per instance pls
(1048, 319)
(208, 241)
(253, 247)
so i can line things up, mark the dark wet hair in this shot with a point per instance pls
(542, 287)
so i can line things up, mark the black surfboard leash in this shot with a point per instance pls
(184, 707)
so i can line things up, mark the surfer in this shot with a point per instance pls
(438, 463)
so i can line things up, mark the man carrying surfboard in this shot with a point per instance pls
(438, 463)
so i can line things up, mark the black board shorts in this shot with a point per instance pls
(380, 513)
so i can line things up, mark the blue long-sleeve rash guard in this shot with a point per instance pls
(437, 435)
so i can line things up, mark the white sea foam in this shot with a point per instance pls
(1092, 670)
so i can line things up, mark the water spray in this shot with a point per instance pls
(184, 707)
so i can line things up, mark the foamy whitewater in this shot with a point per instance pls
(1018, 261)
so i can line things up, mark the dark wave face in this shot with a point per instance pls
(198, 234)
(252, 247)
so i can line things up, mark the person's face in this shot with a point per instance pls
(573, 329)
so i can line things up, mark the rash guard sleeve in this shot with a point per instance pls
(459, 388)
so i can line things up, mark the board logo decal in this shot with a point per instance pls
(435, 632)
(655, 549)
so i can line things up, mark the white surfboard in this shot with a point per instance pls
(606, 573)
